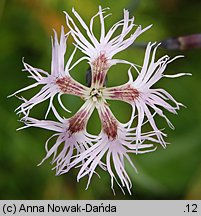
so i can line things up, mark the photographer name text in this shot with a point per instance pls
(52, 208)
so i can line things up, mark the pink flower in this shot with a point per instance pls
(74, 146)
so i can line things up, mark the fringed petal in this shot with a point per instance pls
(145, 99)
(58, 82)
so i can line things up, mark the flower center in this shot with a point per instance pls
(95, 94)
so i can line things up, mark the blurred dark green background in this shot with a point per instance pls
(25, 30)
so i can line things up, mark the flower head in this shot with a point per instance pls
(74, 146)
